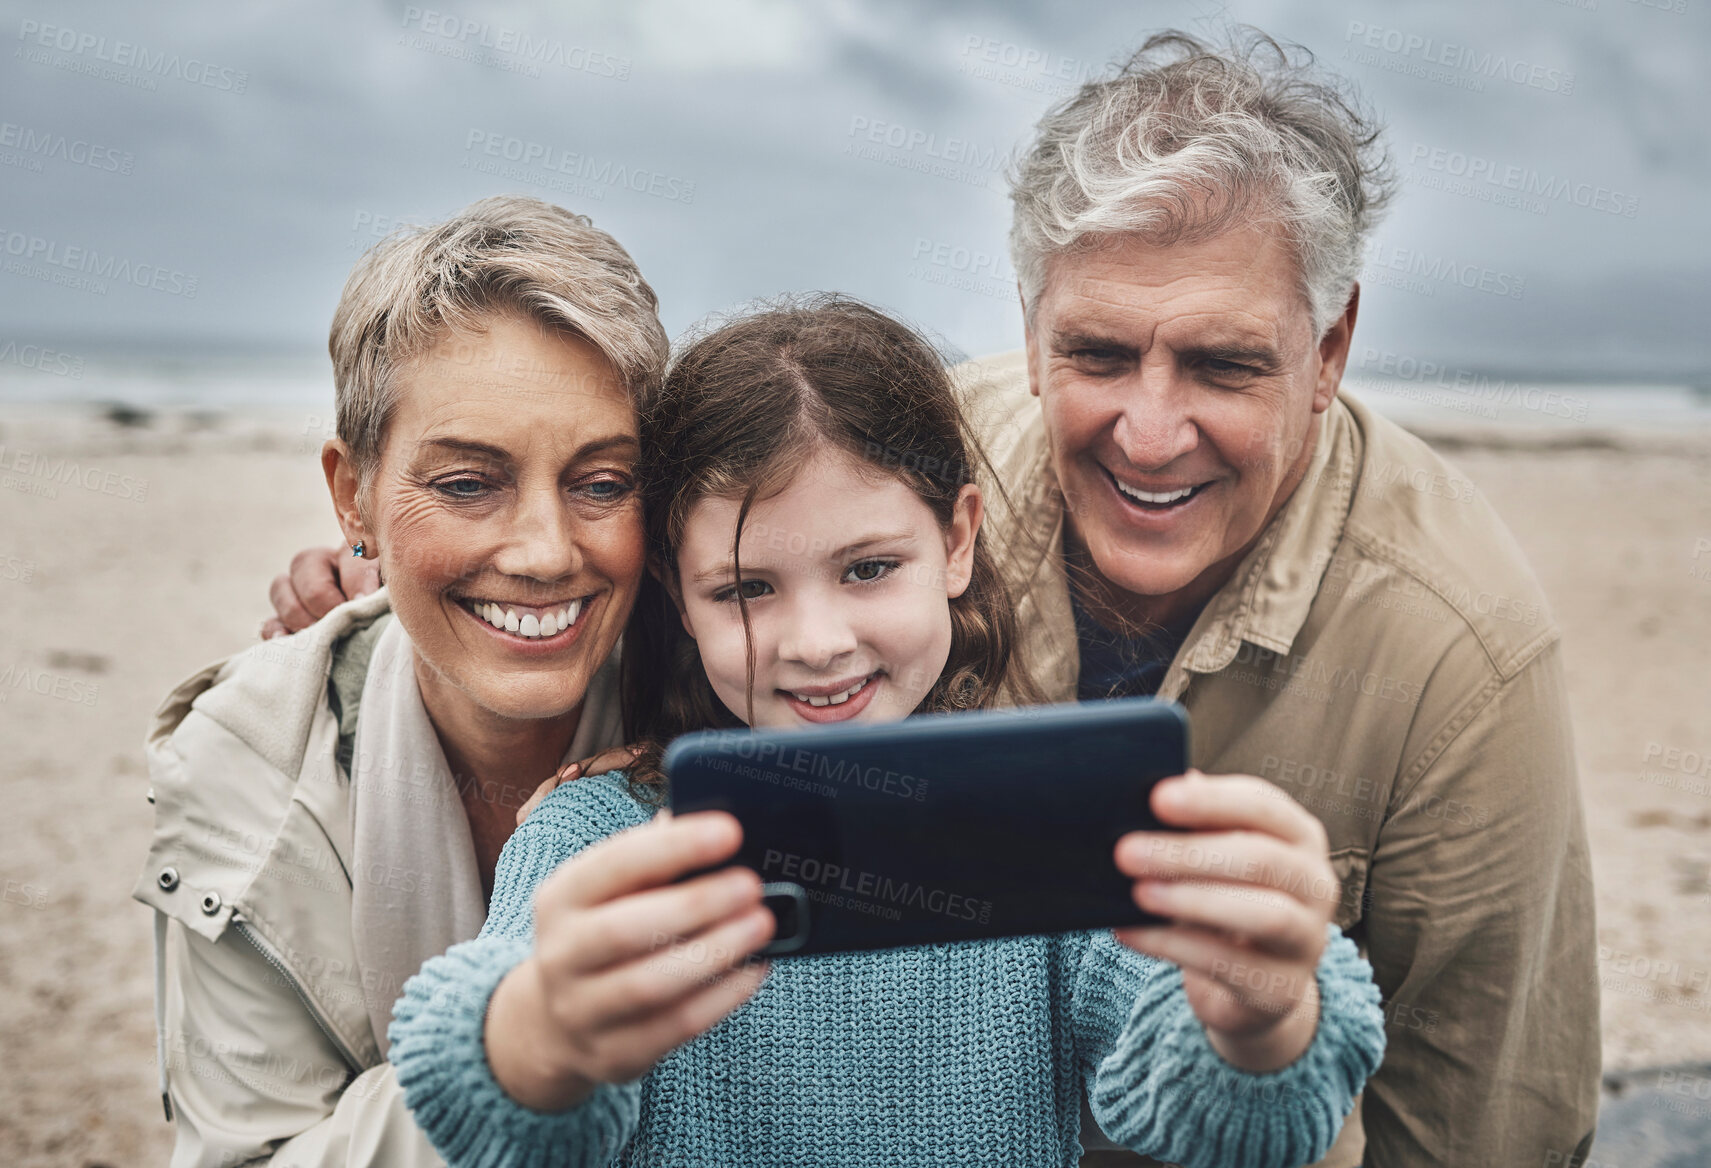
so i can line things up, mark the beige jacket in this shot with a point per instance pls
(267, 1052)
(1385, 656)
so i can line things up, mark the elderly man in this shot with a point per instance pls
(1195, 510)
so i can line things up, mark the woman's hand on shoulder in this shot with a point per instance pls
(616, 758)
(1248, 890)
(628, 965)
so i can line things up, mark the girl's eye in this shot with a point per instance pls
(751, 590)
(867, 571)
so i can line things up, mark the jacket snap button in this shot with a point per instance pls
(211, 903)
(168, 879)
(151, 794)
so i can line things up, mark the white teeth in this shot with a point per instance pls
(836, 699)
(527, 624)
(1155, 497)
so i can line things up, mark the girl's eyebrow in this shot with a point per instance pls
(879, 539)
(868, 541)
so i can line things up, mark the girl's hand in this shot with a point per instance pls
(616, 758)
(1248, 892)
(627, 965)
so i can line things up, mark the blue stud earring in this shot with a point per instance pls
(357, 548)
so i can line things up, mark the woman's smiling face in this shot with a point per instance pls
(504, 513)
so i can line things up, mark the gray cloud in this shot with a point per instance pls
(755, 114)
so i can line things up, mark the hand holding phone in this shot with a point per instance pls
(1248, 889)
(630, 962)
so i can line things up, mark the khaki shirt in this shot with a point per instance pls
(1385, 656)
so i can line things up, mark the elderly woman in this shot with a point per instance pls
(329, 807)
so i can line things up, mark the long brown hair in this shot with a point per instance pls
(742, 408)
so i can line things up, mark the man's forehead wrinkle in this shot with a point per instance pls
(1144, 323)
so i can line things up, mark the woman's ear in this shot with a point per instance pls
(964, 529)
(344, 484)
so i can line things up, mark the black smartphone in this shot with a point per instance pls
(943, 827)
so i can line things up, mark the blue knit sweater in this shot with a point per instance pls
(934, 1055)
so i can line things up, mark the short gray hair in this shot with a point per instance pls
(505, 253)
(1186, 141)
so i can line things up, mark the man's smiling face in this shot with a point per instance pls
(1181, 386)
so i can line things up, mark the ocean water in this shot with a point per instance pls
(301, 383)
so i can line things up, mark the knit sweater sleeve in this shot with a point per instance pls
(437, 1026)
(1156, 1085)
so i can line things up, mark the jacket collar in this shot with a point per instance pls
(218, 831)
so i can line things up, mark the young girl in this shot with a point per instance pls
(813, 520)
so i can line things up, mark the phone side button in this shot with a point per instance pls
(789, 904)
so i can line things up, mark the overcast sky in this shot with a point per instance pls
(742, 149)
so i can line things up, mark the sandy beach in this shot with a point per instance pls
(151, 554)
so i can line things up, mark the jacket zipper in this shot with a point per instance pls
(274, 960)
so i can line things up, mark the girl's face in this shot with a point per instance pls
(848, 577)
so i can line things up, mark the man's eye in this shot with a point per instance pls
(866, 571)
(751, 590)
(1222, 370)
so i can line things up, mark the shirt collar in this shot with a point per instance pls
(1268, 598)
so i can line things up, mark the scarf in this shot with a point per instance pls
(416, 886)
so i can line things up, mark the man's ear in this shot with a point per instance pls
(960, 539)
(344, 485)
(1334, 353)
(1031, 345)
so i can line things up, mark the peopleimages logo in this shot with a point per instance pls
(550, 162)
(126, 55)
(1523, 180)
(48, 259)
(524, 48)
(47, 144)
(1474, 63)
(875, 889)
(1423, 272)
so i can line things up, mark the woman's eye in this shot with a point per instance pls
(867, 571)
(751, 590)
(605, 489)
(462, 488)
